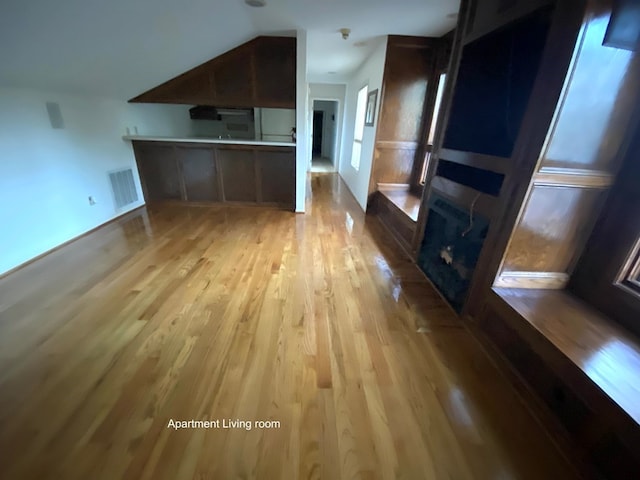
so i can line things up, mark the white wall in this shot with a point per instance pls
(208, 128)
(150, 119)
(302, 120)
(370, 73)
(337, 92)
(276, 123)
(48, 174)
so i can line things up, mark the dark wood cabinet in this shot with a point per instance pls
(209, 173)
(233, 80)
(199, 174)
(277, 175)
(275, 89)
(158, 169)
(259, 73)
(238, 168)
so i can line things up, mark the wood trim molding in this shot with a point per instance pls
(567, 177)
(544, 280)
(443, 118)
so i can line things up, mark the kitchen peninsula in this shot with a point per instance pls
(209, 170)
(248, 94)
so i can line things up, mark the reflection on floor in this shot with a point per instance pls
(322, 164)
(304, 325)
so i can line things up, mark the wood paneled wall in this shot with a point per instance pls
(578, 163)
(574, 134)
(404, 108)
(259, 73)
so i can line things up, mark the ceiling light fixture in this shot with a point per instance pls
(345, 32)
(256, 3)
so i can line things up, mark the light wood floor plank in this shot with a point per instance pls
(180, 312)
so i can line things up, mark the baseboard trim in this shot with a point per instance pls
(64, 244)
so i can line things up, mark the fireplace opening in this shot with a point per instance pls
(451, 246)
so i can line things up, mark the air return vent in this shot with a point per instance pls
(123, 187)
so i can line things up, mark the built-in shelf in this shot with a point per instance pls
(406, 202)
(465, 197)
(477, 160)
(604, 351)
(484, 181)
(495, 81)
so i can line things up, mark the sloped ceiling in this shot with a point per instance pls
(120, 48)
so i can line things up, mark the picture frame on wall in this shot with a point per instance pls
(370, 113)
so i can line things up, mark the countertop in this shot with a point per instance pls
(224, 141)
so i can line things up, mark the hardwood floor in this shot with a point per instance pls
(182, 312)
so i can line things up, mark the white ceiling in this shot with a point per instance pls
(120, 48)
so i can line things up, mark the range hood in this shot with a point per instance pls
(204, 112)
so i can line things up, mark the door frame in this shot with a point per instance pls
(337, 148)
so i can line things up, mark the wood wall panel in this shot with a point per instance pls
(552, 230)
(259, 73)
(277, 174)
(199, 174)
(277, 55)
(238, 170)
(233, 77)
(404, 112)
(406, 74)
(159, 172)
(585, 143)
(192, 88)
(393, 165)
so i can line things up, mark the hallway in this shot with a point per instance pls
(214, 313)
(322, 165)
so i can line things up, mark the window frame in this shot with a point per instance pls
(433, 125)
(358, 136)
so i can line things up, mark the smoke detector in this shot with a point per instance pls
(345, 32)
(256, 3)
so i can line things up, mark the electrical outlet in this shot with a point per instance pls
(92, 200)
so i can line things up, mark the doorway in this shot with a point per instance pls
(318, 126)
(324, 136)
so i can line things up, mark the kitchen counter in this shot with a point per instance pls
(221, 141)
(213, 170)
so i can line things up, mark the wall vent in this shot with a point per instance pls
(123, 187)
